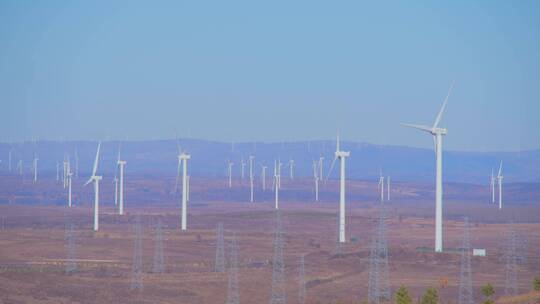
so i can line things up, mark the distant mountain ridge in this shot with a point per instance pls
(209, 159)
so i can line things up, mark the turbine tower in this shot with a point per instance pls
(95, 179)
(251, 177)
(121, 163)
(69, 177)
(499, 183)
(291, 169)
(242, 166)
(184, 158)
(381, 186)
(437, 133)
(276, 184)
(492, 184)
(263, 176)
(341, 155)
(35, 164)
(316, 180)
(388, 188)
(230, 165)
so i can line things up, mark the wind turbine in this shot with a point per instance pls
(291, 169)
(492, 181)
(230, 165)
(65, 172)
(388, 188)
(69, 177)
(499, 182)
(276, 184)
(263, 176)
(437, 133)
(184, 158)
(95, 179)
(121, 164)
(34, 165)
(242, 166)
(341, 155)
(316, 180)
(381, 186)
(251, 176)
(76, 163)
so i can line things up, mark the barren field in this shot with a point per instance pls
(33, 247)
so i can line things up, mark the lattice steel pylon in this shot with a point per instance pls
(233, 295)
(466, 295)
(302, 281)
(137, 271)
(378, 284)
(71, 264)
(278, 295)
(159, 257)
(219, 264)
(511, 256)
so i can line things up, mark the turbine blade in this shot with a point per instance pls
(419, 127)
(331, 169)
(88, 182)
(441, 111)
(96, 160)
(500, 169)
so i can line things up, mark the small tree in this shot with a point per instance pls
(488, 291)
(430, 297)
(402, 296)
(536, 283)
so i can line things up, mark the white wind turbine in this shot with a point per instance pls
(341, 155)
(316, 180)
(229, 167)
(381, 186)
(291, 169)
(263, 176)
(65, 172)
(388, 188)
(277, 177)
(120, 183)
(184, 157)
(95, 179)
(35, 167)
(242, 167)
(492, 184)
(69, 177)
(499, 182)
(437, 133)
(251, 157)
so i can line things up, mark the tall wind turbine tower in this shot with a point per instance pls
(388, 188)
(321, 159)
(230, 165)
(251, 176)
(291, 169)
(316, 180)
(35, 165)
(95, 179)
(437, 133)
(492, 184)
(381, 186)
(184, 158)
(121, 164)
(341, 155)
(263, 176)
(276, 184)
(69, 177)
(242, 167)
(499, 183)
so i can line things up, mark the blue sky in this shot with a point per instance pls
(271, 71)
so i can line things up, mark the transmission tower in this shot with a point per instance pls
(136, 277)
(378, 285)
(233, 296)
(71, 264)
(159, 258)
(219, 264)
(278, 272)
(302, 282)
(465, 279)
(511, 256)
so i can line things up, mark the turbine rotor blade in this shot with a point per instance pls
(96, 160)
(89, 181)
(419, 127)
(441, 111)
(500, 169)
